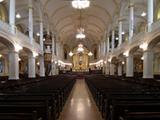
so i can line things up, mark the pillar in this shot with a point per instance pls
(13, 65)
(41, 58)
(30, 21)
(53, 56)
(107, 68)
(12, 15)
(31, 66)
(113, 39)
(120, 33)
(42, 68)
(108, 45)
(150, 14)
(112, 69)
(53, 68)
(119, 69)
(99, 51)
(129, 66)
(156, 65)
(41, 35)
(148, 64)
(131, 21)
(104, 48)
(6, 65)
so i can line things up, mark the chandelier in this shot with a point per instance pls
(80, 34)
(71, 53)
(80, 4)
(90, 54)
(80, 48)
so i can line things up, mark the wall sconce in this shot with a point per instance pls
(18, 47)
(126, 53)
(35, 54)
(144, 46)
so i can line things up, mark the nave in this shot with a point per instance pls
(80, 105)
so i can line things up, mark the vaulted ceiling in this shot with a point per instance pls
(61, 18)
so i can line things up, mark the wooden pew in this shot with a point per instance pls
(107, 90)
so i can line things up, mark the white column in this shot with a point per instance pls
(53, 56)
(13, 65)
(107, 68)
(131, 21)
(104, 48)
(124, 68)
(98, 51)
(12, 15)
(41, 58)
(57, 48)
(119, 69)
(31, 66)
(112, 69)
(120, 33)
(41, 35)
(30, 21)
(113, 39)
(42, 68)
(6, 65)
(129, 66)
(156, 65)
(150, 14)
(148, 64)
(108, 45)
(53, 68)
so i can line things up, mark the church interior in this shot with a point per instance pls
(79, 59)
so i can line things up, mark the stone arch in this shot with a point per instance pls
(114, 60)
(23, 63)
(133, 50)
(154, 42)
(7, 43)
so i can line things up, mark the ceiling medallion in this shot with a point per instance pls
(80, 4)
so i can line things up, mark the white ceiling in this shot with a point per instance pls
(62, 19)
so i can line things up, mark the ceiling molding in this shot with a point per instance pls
(71, 15)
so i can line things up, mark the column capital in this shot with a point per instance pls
(121, 19)
(13, 51)
(30, 7)
(131, 5)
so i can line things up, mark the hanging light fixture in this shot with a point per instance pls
(80, 31)
(80, 4)
(71, 53)
(80, 48)
(90, 53)
(80, 34)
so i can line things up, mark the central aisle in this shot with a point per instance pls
(80, 105)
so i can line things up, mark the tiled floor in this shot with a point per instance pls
(80, 105)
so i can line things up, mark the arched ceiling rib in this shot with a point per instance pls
(59, 16)
(70, 16)
(95, 26)
(65, 18)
